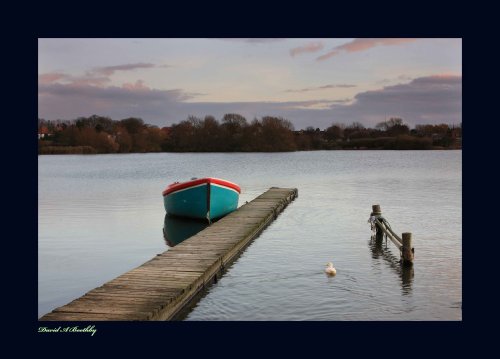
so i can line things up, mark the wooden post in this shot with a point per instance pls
(377, 212)
(408, 251)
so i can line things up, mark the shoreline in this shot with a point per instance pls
(87, 152)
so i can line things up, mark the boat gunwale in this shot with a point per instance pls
(174, 187)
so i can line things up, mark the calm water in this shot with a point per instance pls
(101, 215)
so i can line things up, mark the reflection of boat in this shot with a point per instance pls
(204, 198)
(176, 229)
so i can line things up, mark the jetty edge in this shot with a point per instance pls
(160, 288)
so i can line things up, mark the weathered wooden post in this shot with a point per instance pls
(377, 213)
(376, 209)
(407, 249)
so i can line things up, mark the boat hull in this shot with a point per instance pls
(205, 200)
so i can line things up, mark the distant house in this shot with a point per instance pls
(43, 132)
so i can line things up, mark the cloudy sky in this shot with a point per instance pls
(312, 82)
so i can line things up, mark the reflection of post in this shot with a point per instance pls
(407, 250)
(405, 272)
(377, 213)
(407, 275)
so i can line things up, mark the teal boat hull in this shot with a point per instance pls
(202, 201)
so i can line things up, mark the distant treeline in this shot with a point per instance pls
(98, 134)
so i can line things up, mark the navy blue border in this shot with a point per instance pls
(234, 20)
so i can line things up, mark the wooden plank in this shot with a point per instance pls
(212, 245)
(192, 266)
(169, 258)
(152, 271)
(133, 297)
(181, 266)
(75, 316)
(192, 255)
(149, 286)
(111, 286)
(104, 310)
(153, 280)
(163, 285)
(84, 305)
(389, 234)
(157, 276)
(134, 292)
(178, 283)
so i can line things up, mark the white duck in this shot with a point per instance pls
(330, 269)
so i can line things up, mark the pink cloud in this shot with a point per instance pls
(309, 47)
(52, 77)
(138, 86)
(88, 79)
(357, 45)
(446, 75)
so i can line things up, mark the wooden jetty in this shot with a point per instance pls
(160, 288)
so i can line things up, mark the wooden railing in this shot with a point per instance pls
(383, 227)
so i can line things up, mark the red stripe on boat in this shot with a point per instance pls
(183, 185)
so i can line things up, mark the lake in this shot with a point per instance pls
(102, 215)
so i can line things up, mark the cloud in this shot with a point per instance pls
(138, 85)
(424, 100)
(256, 40)
(88, 79)
(362, 44)
(69, 101)
(431, 99)
(336, 86)
(325, 87)
(99, 76)
(51, 77)
(115, 95)
(110, 70)
(309, 47)
(311, 104)
(399, 78)
(343, 100)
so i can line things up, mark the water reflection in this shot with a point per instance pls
(379, 249)
(176, 229)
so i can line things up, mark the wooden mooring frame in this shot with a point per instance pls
(383, 227)
(163, 286)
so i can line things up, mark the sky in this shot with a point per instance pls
(311, 82)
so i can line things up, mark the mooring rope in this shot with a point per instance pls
(373, 219)
(386, 222)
